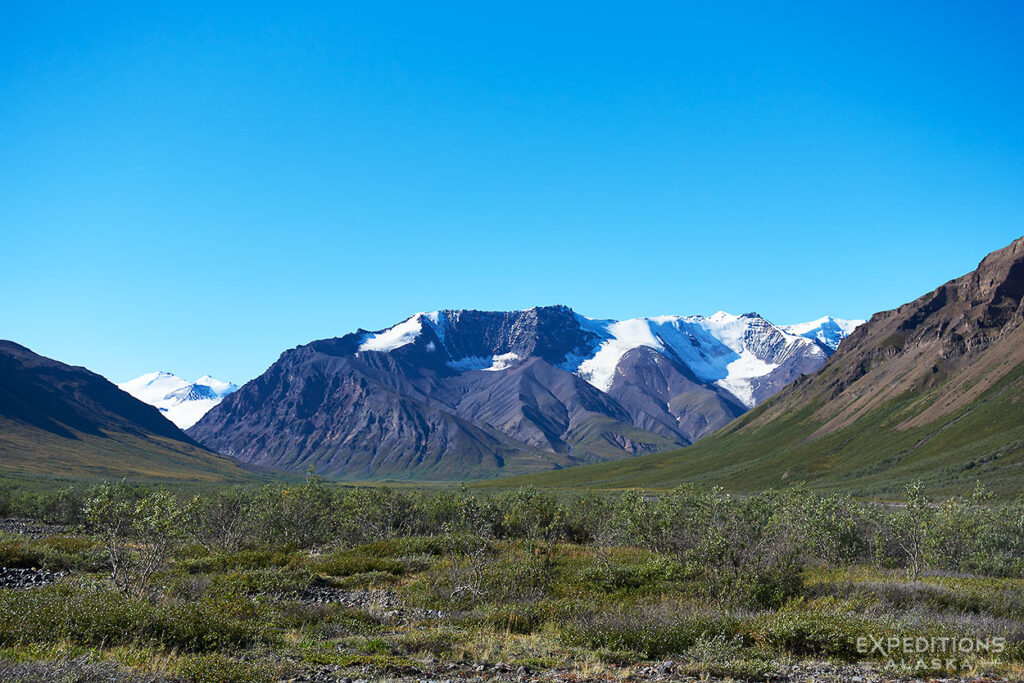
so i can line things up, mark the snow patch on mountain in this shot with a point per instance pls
(501, 361)
(731, 351)
(621, 337)
(181, 402)
(402, 334)
(740, 375)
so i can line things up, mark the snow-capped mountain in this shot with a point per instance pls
(181, 402)
(828, 330)
(735, 352)
(469, 393)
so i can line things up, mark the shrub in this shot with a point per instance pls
(349, 563)
(63, 506)
(60, 613)
(245, 559)
(368, 514)
(216, 668)
(138, 533)
(273, 581)
(750, 554)
(222, 521)
(480, 573)
(299, 516)
(6, 499)
(647, 634)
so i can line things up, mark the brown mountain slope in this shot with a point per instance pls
(57, 420)
(933, 390)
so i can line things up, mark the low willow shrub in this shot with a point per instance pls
(646, 634)
(349, 563)
(407, 546)
(464, 581)
(650, 572)
(215, 668)
(273, 581)
(56, 553)
(106, 618)
(246, 559)
(664, 632)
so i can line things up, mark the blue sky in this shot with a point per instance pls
(197, 189)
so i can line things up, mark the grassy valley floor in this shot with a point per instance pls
(374, 584)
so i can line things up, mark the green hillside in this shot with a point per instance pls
(982, 442)
(26, 451)
(932, 390)
(64, 422)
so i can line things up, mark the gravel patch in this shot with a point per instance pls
(813, 672)
(383, 602)
(31, 528)
(74, 671)
(12, 578)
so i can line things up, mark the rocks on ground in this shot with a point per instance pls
(30, 527)
(28, 578)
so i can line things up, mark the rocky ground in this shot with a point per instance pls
(664, 672)
(30, 528)
(28, 578)
(82, 671)
(383, 602)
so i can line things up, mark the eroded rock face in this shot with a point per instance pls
(469, 394)
(958, 339)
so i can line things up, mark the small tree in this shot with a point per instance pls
(297, 515)
(219, 522)
(469, 551)
(6, 498)
(912, 525)
(138, 532)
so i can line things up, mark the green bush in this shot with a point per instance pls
(245, 559)
(646, 634)
(274, 581)
(349, 563)
(215, 668)
(825, 635)
(56, 553)
(60, 613)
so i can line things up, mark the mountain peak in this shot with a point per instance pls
(182, 402)
(826, 330)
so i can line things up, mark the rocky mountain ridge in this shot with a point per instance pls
(468, 394)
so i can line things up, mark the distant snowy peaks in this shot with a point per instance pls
(192, 392)
(828, 330)
(181, 402)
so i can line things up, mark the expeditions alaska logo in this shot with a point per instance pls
(931, 653)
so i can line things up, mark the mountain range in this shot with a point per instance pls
(464, 394)
(932, 390)
(181, 402)
(59, 420)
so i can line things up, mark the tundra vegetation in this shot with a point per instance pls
(324, 582)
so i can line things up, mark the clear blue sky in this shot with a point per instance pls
(197, 189)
